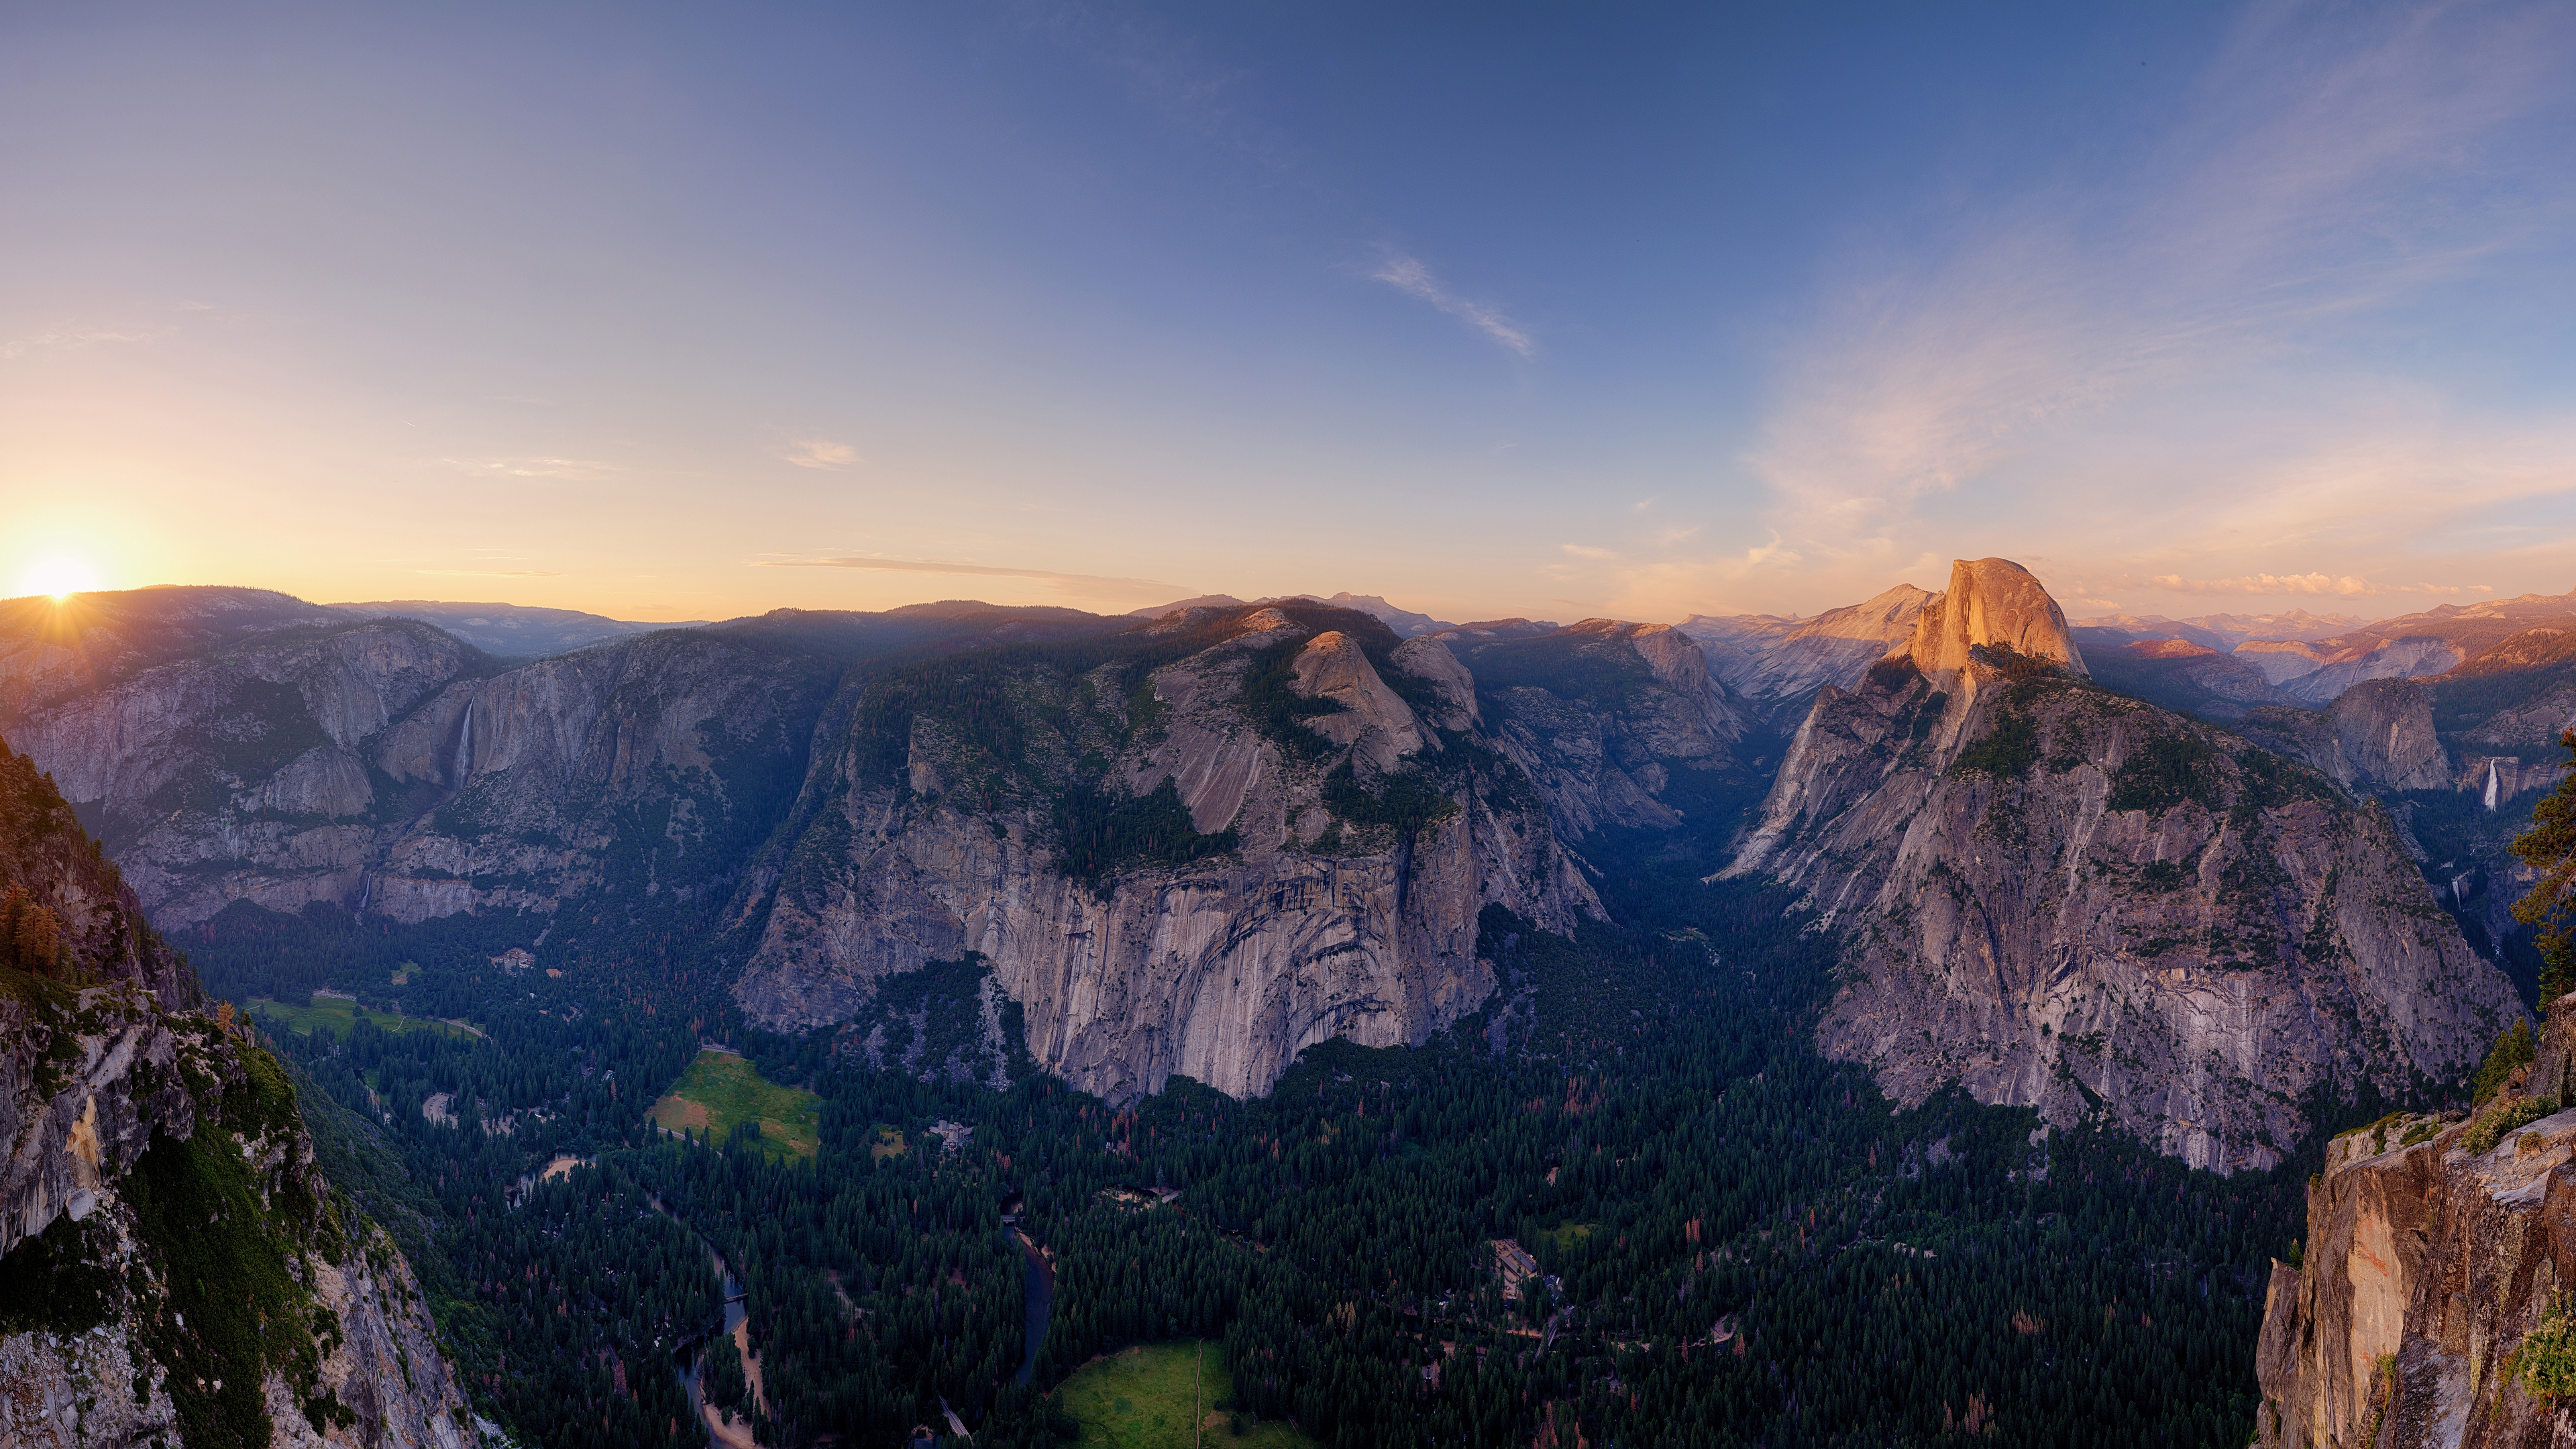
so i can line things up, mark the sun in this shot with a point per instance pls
(60, 577)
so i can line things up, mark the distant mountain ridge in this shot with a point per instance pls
(2224, 632)
(1404, 622)
(511, 631)
(1779, 663)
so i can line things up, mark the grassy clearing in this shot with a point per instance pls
(1141, 1398)
(1564, 1236)
(336, 1014)
(720, 1091)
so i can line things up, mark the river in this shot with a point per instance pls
(1040, 1296)
(693, 1373)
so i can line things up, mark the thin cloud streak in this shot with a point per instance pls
(1083, 582)
(1412, 278)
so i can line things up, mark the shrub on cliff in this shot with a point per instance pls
(2549, 847)
(2490, 1128)
(2512, 1049)
(2546, 1358)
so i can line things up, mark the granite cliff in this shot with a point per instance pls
(1777, 665)
(1197, 847)
(2378, 735)
(173, 1266)
(2429, 1305)
(1617, 724)
(232, 745)
(2060, 896)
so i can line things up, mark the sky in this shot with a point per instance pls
(673, 312)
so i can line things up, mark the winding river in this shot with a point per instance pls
(694, 1371)
(1040, 1296)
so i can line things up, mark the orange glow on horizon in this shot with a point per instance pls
(60, 577)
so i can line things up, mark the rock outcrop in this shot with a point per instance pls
(2282, 660)
(1990, 601)
(1777, 664)
(2435, 1247)
(1318, 871)
(2064, 897)
(2403, 658)
(306, 1324)
(1618, 724)
(232, 745)
(2377, 735)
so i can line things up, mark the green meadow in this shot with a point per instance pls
(721, 1091)
(336, 1014)
(1143, 1398)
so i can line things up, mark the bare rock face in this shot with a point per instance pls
(1453, 706)
(1773, 662)
(2376, 736)
(2282, 660)
(2405, 658)
(2386, 729)
(1989, 601)
(1279, 902)
(2426, 1264)
(2060, 896)
(386, 766)
(1603, 715)
(105, 1072)
(1372, 720)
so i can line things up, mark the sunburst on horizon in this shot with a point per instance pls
(59, 576)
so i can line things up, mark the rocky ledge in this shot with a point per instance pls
(2430, 1307)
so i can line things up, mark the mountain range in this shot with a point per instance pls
(1164, 867)
(1201, 841)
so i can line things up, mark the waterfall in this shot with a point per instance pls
(465, 755)
(2491, 786)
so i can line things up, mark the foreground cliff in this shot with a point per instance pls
(1197, 848)
(173, 1266)
(2064, 897)
(2430, 1305)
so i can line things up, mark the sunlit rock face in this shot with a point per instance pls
(1775, 663)
(2432, 1250)
(1990, 601)
(2060, 896)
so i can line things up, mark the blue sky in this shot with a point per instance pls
(1562, 311)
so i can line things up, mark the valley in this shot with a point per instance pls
(1919, 1019)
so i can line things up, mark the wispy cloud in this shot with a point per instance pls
(2347, 586)
(490, 573)
(59, 337)
(1099, 585)
(821, 453)
(2183, 361)
(573, 470)
(1411, 277)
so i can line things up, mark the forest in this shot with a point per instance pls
(1734, 1240)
